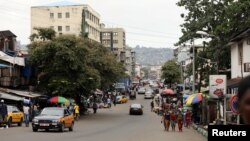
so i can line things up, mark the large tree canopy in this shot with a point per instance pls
(222, 18)
(171, 72)
(71, 65)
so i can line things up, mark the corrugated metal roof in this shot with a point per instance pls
(6, 33)
(10, 96)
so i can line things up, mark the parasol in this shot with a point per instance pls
(194, 99)
(58, 99)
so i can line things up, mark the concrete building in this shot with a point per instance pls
(115, 40)
(130, 62)
(79, 20)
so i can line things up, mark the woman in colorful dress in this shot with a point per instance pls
(188, 118)
(179, 120)
(173, 120)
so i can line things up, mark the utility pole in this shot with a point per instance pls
(193, 88)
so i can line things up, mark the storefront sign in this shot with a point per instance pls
(217, 86)
(233, 104)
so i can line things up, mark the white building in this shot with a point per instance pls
(79, 20)
(240, 58)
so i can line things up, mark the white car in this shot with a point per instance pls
(142, 90)
(148, 95)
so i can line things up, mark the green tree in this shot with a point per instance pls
(43, 34)
(70, 65)
(171, 72)
(222, 18)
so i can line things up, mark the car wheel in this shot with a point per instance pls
(10, 122)
(20, 123)
(62, 128)
(46, 130)
(71, 127)
(34, 129)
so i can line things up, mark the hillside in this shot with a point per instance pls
(152, 56)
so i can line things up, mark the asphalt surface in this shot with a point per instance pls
(113, 124)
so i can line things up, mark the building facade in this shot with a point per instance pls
(115, 40)
(79, 20)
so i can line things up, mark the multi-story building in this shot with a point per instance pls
(79, 20)
(115, 40)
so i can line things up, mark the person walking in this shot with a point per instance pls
(173, 120)
(114, 100)
(76, 112)
(180, 121)
(95, 107)
(152, 105)
(3, 113)
(26, 111)
(188, 118)
(166, 120)
(109, 102)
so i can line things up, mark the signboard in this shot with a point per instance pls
(217, 86)
(233, 104)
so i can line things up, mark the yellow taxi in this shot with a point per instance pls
(53, 118)
(121, 99)
(14, 115)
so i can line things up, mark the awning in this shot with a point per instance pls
(233, 83)
(24, 93)
(10, 97)
(13, 60)
(4, 66)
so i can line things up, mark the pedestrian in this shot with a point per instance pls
(114, 100)
(244, 100)
(95, 107)
(166, 120)
(76, 112)
(188, 118)
(180, 121)
(152, 106)
(26, 111)
(173, 120)
(109, 102)
(3, 113)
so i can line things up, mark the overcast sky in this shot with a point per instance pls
(151, 23)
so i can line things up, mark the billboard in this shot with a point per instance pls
(217, 86)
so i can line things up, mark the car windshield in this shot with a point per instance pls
(142, 89)
(136, 106)
(52, 112)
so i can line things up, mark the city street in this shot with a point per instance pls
(108, 125)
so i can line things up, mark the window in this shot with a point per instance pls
(67, 15)
(240, 51)
(52, 27)
(59, 15)
(115, 41)
(246, 67)
(51, 15)
(115, 34)
(67, 28)
(59, 28)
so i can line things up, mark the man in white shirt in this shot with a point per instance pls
(26, 111)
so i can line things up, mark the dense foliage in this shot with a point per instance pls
(171, 72)
(69, 65)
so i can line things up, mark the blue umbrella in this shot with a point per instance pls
(185, 96)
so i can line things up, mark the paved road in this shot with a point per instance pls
(108, 125)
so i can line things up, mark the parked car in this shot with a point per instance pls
(53, 118)
(14, 115)
(141, 90)
(121, 99)
(136, 109)
(148, 95)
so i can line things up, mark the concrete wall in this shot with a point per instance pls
(41, 17)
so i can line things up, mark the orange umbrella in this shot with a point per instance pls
(168, 92)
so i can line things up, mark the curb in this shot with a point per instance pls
(200, 130)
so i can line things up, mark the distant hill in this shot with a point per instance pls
(152, 56)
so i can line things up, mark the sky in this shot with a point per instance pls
(150, 23)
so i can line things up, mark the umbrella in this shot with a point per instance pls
(185, 96)
(58, 99)
(194, 98)
(168, 91)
